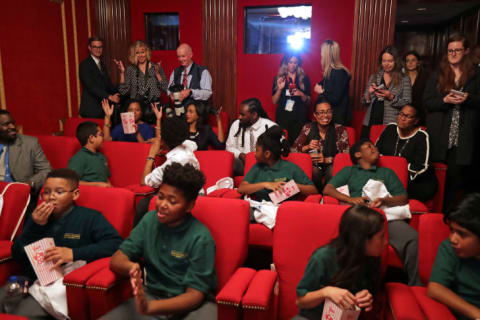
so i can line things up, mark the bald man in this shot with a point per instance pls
(195, 79)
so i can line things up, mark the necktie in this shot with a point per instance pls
(185, 81)
(252, 141)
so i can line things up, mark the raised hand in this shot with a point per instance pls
(318, 88)
(59, 255)
(158, 111)
(281, 83)
(42, 212)
(114, 98)
(120, 65)
(107, 108)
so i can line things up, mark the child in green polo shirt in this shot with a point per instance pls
(89, 163)
(178, 252)
(455, 277)
(347, 270)
(271, 172)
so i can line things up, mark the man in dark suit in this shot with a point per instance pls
(21, 157)
(95, 81)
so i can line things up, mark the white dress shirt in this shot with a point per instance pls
(234, 144)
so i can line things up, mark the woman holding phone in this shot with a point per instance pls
(452, 99)
(387, 91)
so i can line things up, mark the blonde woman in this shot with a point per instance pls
(335, 83)
(143, 80)
(291, 91)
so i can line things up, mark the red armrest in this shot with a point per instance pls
(8, 267)
(232, 292)
(431, 308)
(315, 198)
(260, 291)
(402, 302)
(225, 193)
(139, 189)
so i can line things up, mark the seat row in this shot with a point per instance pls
(244, 293)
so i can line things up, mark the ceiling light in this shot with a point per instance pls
(421, 9)
(404, 21)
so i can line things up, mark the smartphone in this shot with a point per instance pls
(457, 93)
(380, 87)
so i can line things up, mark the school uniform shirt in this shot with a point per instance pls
(461, 275)
(321, 268)
(182, 154)
(176, 258)
(356, 177)
(245, 140)
(90, 166)
(281, 171)
(84, 230)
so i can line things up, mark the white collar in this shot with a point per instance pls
(186, 146)
(97, 61)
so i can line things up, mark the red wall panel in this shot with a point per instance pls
(330, 20)
(190, 19)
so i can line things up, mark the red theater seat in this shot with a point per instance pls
(413, 302)
(58, 150)
(116, 205)
(351, 136)
(228, 222)
(215, 165)
(375, 132)
(70, 125)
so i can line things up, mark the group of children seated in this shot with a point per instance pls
(178, 251)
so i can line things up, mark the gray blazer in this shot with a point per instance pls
(402, 93)
(28, 162)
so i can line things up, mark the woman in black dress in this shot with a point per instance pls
(202, 133)
(418, 79)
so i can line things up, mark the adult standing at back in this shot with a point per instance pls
(418, 79)
(335, 83)
(95, 82)
(452, 118)
(143, 80)
(291, 91)
(195, 79)
(386, 93)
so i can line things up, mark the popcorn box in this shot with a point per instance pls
(289, 190)
(333, 312)
(36, 252)
(128, 121)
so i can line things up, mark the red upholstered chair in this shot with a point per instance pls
(58, 149)
(412, 302)
(228, 222)
(5, 316)
(16, 197)
(116, 205)
(70, 125)
(215, 165)
(375, 132)
(436, 204)
(351, 136)
(300, 229)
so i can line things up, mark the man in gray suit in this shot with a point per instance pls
(21, 157)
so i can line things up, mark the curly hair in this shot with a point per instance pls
(68, 174)
(185, 178)
(174, 132)
(274, 141)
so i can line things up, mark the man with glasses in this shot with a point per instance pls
(95, 82)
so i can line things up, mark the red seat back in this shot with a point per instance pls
(228, 222)
(300, 228)
(116, 205)
(303, 160)
(70, 125)
(351, 136)
(397, 164)
(431, 232)
(126, 161)
(15, 201)
(58, 150)
(375, 132)
(215, 165)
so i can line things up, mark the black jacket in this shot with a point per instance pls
(439, 116)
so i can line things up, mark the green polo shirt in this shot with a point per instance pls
(90, 166)
(281, 171)
(175, 258)
(356, 177)
(320, 270)
(461, 275)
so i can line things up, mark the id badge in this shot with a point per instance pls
(289, 105)
(287, 93)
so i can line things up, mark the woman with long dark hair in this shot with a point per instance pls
(386, 92)
(200, 132)
(418, 79)
(452, 99)
(291, 91)
(347, 270)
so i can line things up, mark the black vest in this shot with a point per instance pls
(195, 72)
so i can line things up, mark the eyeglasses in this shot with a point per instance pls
(455, 51)
(406, 116)
(323, 113)
(97, 47)
(58, 193)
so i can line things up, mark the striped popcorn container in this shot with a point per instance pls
(36, 252)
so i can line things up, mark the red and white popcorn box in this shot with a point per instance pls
(128, 122)
(333, 312)
(36, 252)
(289, 190)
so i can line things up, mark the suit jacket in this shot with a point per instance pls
(27, 161)
(96, 86)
